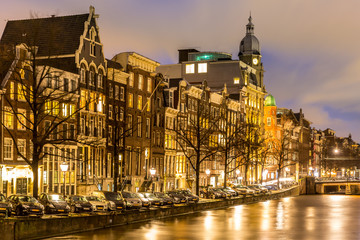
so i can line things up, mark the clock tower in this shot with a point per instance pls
(249, 52)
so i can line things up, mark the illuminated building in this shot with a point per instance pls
(243, 77)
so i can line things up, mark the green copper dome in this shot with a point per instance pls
(269, 101)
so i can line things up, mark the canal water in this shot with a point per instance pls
(304, 217)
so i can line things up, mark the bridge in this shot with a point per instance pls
(337, 185)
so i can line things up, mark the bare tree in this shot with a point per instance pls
(196, 132)
(282, 152)
(39, 100)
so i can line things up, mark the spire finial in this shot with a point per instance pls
(250, 18)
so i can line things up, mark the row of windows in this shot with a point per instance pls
(141, 82)
(93, 78)
(64, 84)
(119, 92)
(92, 101)
(9, 148)
(201, 68)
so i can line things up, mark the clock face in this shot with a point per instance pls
(255, 61)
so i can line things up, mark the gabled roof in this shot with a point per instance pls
(53, 35)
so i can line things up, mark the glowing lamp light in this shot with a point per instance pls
(207, 171)
(336, 150)
(64, 167)
(237, 171)
(152, 171)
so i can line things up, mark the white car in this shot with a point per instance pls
(96, 204)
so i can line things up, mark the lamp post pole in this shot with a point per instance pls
(64, 167)
(207, 171)
(152, 173)
(237, 175)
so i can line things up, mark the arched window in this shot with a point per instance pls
(83, 73)
(92, 76)
(100, 79)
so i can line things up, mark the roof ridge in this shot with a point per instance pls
(51, 17)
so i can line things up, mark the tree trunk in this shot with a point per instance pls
(226, 167)
(197, 175)
(246, 175)
(35, 167)
(278, 178)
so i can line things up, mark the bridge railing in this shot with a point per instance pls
(337, 179)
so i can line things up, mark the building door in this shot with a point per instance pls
(21, 186)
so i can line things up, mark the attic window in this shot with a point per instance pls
(236, 80)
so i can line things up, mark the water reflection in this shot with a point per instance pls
(305, 217)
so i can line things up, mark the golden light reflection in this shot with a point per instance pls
(280, 216)
(310, 218)
(151, 234)
(238, 214)
(208, 222)
(265, 221)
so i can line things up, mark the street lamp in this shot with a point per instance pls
(237, 175)
(152, 173)
(64, 167)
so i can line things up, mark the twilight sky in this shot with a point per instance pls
(310, 48)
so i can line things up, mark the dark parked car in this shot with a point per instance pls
(153, 200)
(132, 200)
(231, 191)
(166, 199)
(5, 206)
(114, 200)
(23, 205)
(223, 193)
(78, 204)
(54, 203)
(210, 193)
(145, 202)
(190, 196)
(177, 197)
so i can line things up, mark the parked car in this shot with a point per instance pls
(132, 201)
(143, 199)
(78, 204)
(5, 206)
(271, 187)
(96, 204)
(262, 189)
(214, 194)
(54, 203)
(153, 200)
(189, 195)
(222, 193)
(113, 199)
(23, 205)
(231, 191)
(177, 197)
(166, 199)
(255, 189)
(241, 189)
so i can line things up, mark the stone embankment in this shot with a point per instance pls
(37, 228)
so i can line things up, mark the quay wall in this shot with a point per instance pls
(37, 228)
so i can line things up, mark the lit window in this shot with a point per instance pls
(21, 144)
(9, 120)
(64, 110)
(141, 82)
(202, 67)
(8, 148)
(148, 105)
(139, 103)
(122, 93)
(21, 92)
(149, 85)
(21, 117)
(131, 100)
(131, 79)
(12, 90)
(190, 68)
(236, 80)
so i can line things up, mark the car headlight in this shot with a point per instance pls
(78, 205)
(67, 207)
(112, 204)
(25, 206)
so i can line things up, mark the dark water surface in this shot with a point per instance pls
(303, 217)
